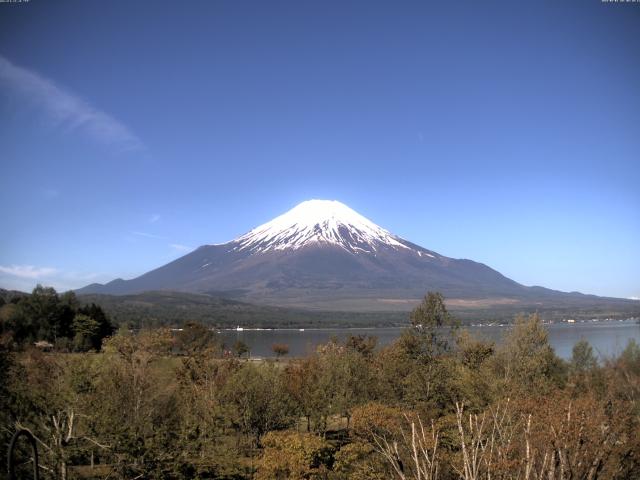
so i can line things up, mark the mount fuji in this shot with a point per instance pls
(322, 254)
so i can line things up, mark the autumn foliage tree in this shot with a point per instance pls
(432, 405)
(280, 349)
(289, 455)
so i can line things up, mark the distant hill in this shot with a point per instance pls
(8, 295)
(163, 308)
(322, 255)
(175, 308)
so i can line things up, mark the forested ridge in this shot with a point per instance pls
(172, 309)
(436, 404)
(58, 321)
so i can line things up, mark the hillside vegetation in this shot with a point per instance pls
(174, 308)
(437, 404)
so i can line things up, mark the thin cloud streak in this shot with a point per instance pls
(25, 277)
(65, 109)
(149, 235)
(28, 271)
(181, 248)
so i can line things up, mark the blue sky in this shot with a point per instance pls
(503, 132)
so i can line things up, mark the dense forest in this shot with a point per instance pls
(436, 404)
(171, 309)
(56, 321)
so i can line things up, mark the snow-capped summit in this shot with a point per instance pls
(319, 222)
(321, 254)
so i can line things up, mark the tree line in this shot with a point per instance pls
(57, 321)
(437, 404)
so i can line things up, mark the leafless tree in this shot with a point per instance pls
(418, 448)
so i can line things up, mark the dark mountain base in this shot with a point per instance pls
(175, 308)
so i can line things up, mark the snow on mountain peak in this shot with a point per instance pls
(321, 222)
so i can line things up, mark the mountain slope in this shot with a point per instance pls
(322, 254)
(151, 309)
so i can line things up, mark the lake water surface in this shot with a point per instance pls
(607, 338)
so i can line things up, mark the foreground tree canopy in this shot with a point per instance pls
(436, 404)
(56, 321)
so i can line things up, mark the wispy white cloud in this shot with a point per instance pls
(634, 298)
(26, 277)
(175, 246)
(180, 248)
(149, 235)
(28, 271)
(154, 218)
(65, 109)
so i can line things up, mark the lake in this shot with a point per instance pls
(606, 337)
